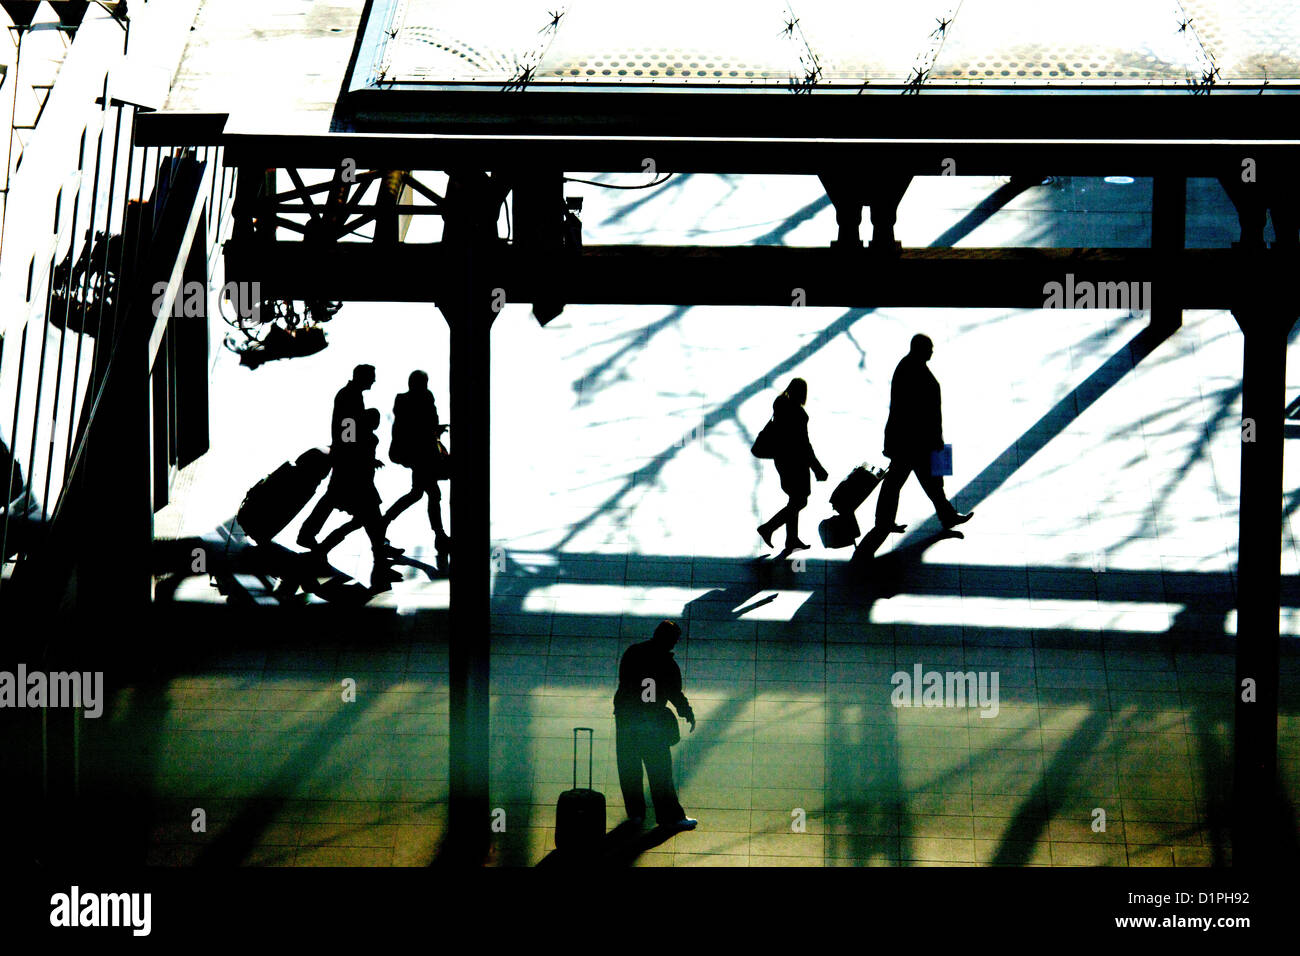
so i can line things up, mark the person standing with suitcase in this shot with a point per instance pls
(794, 457)
(645, 729)
(913, 431)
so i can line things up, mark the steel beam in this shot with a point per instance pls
(1066, 135)
(785, 155)
(749, 275)
(825, 115)
(1168, 236)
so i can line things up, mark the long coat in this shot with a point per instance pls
(351, 443)
(915, 425)
(794, 458)
(650, 719)
(415, 429)
(349, 406)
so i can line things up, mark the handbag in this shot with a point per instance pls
(668, 730)
(397, 450)
(441, 462)
(765, 445)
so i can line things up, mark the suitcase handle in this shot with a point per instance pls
(590, 755)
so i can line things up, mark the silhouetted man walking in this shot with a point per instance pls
(352, 487)
(913, 431)
(345, 450)
(645, 729)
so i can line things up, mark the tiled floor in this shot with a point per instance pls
(1095, 580)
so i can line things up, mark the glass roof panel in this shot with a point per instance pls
(834, 44)
(1098, 43)
(675, 41)
(455, 41)
(872, 40)
(1252, 40)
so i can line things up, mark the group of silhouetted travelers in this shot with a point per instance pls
(648, 676)
(354, 444)
(913, 432)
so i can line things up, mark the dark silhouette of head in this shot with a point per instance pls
(364, 376)
(371, 418)
(797, 391)
(922, 347)
(418, 381)
(667, 633)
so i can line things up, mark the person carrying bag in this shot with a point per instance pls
(792, 452)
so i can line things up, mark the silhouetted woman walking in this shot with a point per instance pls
(794, 458)
(416, 430)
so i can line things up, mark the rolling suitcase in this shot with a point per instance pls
(853, 490)
(275, 500)
(580, 814)
(838, 531)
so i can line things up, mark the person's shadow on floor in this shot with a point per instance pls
(886, 575)
(621, 846)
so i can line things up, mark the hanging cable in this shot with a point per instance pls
(590, 182)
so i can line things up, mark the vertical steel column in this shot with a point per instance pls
(1265, 326)
(1168, 237)
(847, 201)
(119, 457)
(884, 192)
(469, 236)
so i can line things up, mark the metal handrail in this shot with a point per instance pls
(92, 410)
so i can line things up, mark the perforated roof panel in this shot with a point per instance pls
(833, 45)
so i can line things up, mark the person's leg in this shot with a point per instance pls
(774, 522)
(382, 572)
(791, 510)
(933, 487)
(368, 516)
(316, 520)
(361, 502)
(890, 485)
(404, 502)
(784, 471)
(629, 769)
(435, 521)
(374, 525)
(364, 508)
(429, 484)
(658, 759)
(335, 537)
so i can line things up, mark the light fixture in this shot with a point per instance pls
(1119, 180)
